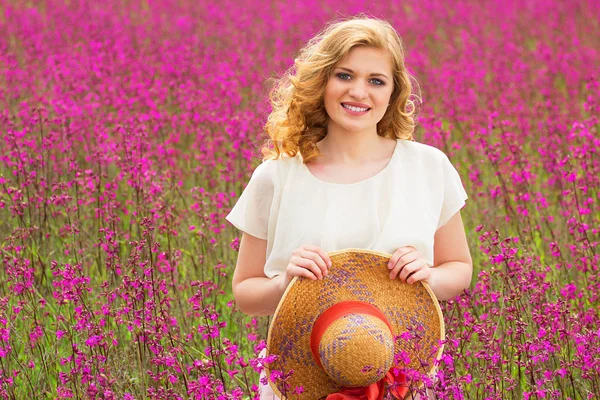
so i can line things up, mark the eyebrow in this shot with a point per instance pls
(374, 74)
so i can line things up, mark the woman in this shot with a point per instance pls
(342, 170)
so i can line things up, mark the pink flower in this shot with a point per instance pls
(93, 340)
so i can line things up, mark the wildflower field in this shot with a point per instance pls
(130, 127)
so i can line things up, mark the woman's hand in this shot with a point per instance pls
(311, 262)
(408, 264)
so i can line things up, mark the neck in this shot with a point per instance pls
(351, 147)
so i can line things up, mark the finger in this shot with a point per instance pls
(310, 265)
(419, 275)
(302, 263)
(324, 256)
(410, 268)
(399, 253)
(317, 259)
(402, 261)
(301, 272)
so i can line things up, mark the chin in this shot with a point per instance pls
(357, 128)
(349, 125)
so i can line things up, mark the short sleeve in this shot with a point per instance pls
(454, 193)
(252, 210)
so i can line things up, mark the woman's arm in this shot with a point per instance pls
(254, 293)
(452, 264)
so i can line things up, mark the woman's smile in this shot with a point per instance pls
(352, 110)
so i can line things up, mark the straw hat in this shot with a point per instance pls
(355, 332)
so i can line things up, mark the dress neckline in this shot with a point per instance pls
(388, 166)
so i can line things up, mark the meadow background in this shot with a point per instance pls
(130, 127)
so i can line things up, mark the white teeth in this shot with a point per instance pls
(352, 108)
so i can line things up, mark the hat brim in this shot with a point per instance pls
(361, 275)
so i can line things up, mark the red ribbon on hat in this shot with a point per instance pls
(374, 391)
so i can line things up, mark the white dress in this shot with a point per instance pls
(404, 204)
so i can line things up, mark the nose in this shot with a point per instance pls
(358, 90)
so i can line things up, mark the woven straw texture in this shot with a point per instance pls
(355, 274)
(360, 334)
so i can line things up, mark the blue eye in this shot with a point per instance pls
(346, 77)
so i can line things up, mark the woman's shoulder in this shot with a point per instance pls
(277, 164)
(273, 170)
(420, 151)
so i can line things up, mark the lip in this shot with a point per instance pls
(361, 105)
(355, 112)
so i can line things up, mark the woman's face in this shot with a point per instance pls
(358, 91)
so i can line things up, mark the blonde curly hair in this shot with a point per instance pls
(298, 119)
